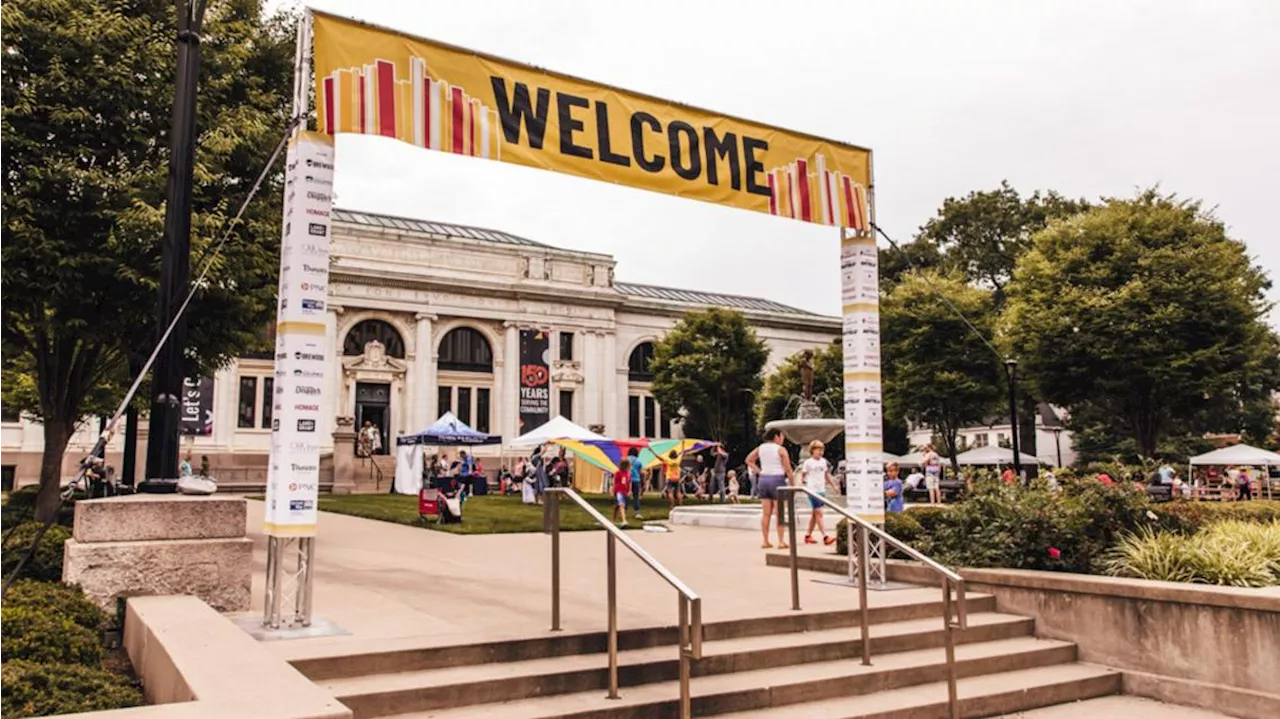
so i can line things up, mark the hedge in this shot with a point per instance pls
(31, 690)
(1234, 553)
(21, 507)
(39, 636)
(46, 564)
(56, 598)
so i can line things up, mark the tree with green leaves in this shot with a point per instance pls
(87, 94)
(936, 371)
(1146, 312)
(983, 234)
(708, 366)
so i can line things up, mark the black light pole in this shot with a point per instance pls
(175, 268)
(129, 463)
(1011, 369)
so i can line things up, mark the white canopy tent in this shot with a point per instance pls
(995, 455)
(1237, 454)
(915, 459)
(557, 428)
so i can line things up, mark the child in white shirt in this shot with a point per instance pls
(815, 472)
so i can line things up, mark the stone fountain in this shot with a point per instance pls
(809, 423)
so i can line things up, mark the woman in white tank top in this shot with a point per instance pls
(773, 466)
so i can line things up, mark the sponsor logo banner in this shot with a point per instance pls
(379, 82)
(293, 475)
(535, 379)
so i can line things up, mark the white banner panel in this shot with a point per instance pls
(293, 477)
(863, 408)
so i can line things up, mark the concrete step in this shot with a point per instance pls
(989, 695)
(399, 692)
(345, 664)
(758, 689)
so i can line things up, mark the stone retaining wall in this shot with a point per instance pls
(1214, 647)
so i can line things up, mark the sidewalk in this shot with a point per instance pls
(391, 585)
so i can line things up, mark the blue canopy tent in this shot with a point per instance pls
(448, 431)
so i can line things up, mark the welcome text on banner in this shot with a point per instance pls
(376, 81)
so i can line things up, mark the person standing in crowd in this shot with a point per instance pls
(370, 440)
(733, 486)
(1245, 483)
(635, 472)
(539, 473)
(932, 474)
(815, 473)
(671, 470)
(1008, 476)
(718, 472)
(893, 494)
(621, 486)
(771, 463)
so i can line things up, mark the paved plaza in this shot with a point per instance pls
(389, 585)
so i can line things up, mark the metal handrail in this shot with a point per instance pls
(690, 609)
(950, 579)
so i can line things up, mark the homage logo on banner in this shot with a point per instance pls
(293, 477)
(863, 410)
(379, 82)
(535, 379)
(197, 407)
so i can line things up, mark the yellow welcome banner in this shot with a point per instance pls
(376, 81)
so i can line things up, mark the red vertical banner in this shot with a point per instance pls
(329, 119)
(364, 103)
(458, 122)
(386, 99)
(802, 179)
(773, 196)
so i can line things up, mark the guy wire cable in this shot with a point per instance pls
(109, 431)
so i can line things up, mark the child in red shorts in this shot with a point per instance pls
(621, 487)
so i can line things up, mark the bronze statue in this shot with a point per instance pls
(806, 375)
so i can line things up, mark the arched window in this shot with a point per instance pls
(361, 334)
(640, 364)
(466, 350)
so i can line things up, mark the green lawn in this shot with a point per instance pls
(490, 514)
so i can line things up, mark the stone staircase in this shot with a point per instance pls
(793, 665)
(374, 474)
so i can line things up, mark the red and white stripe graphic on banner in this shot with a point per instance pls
(418, 109)
(816, 194)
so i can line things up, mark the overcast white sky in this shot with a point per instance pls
(1089, 98)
